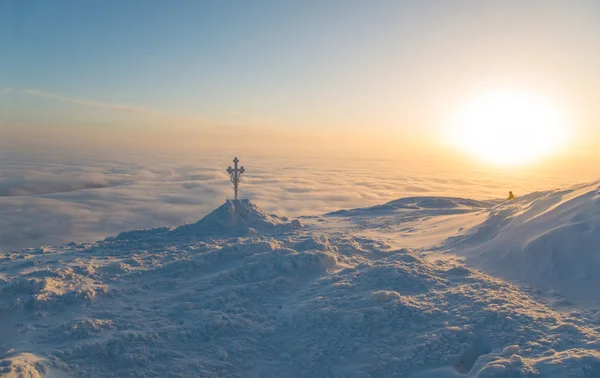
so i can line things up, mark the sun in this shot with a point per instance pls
(508, 128)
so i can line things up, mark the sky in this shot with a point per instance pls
(365, 77)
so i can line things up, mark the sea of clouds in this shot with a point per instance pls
(57, 198)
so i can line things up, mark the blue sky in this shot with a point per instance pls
(196, 57)
(387, 67)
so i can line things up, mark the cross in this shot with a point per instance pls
(235, 175)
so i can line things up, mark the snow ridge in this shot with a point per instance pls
(430, 205)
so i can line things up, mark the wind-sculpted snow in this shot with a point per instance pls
(280, 302)
(409, 209)
(234, 217)
(438, 203)
(547, 239)
(435, 205)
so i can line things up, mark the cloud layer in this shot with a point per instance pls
(50, 200)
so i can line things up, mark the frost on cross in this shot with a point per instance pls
(235, 174)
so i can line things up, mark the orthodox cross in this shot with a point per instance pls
(235, 175)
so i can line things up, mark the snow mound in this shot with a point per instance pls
(435, 205)
(547, 239)
(237, 217)
(509, 362)
(28, 365)
(142, 234)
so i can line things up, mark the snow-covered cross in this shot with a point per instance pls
(235, 175)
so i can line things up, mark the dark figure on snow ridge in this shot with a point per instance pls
(511, 195)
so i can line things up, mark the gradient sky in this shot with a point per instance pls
(349, 72)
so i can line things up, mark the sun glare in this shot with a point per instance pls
(508, 128)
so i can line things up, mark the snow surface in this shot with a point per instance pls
(550, 240)
(380, 292)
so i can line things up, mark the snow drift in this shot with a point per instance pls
(550, 240)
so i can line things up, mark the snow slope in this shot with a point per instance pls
(415, 222)
(550, 240)
(245, 294)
